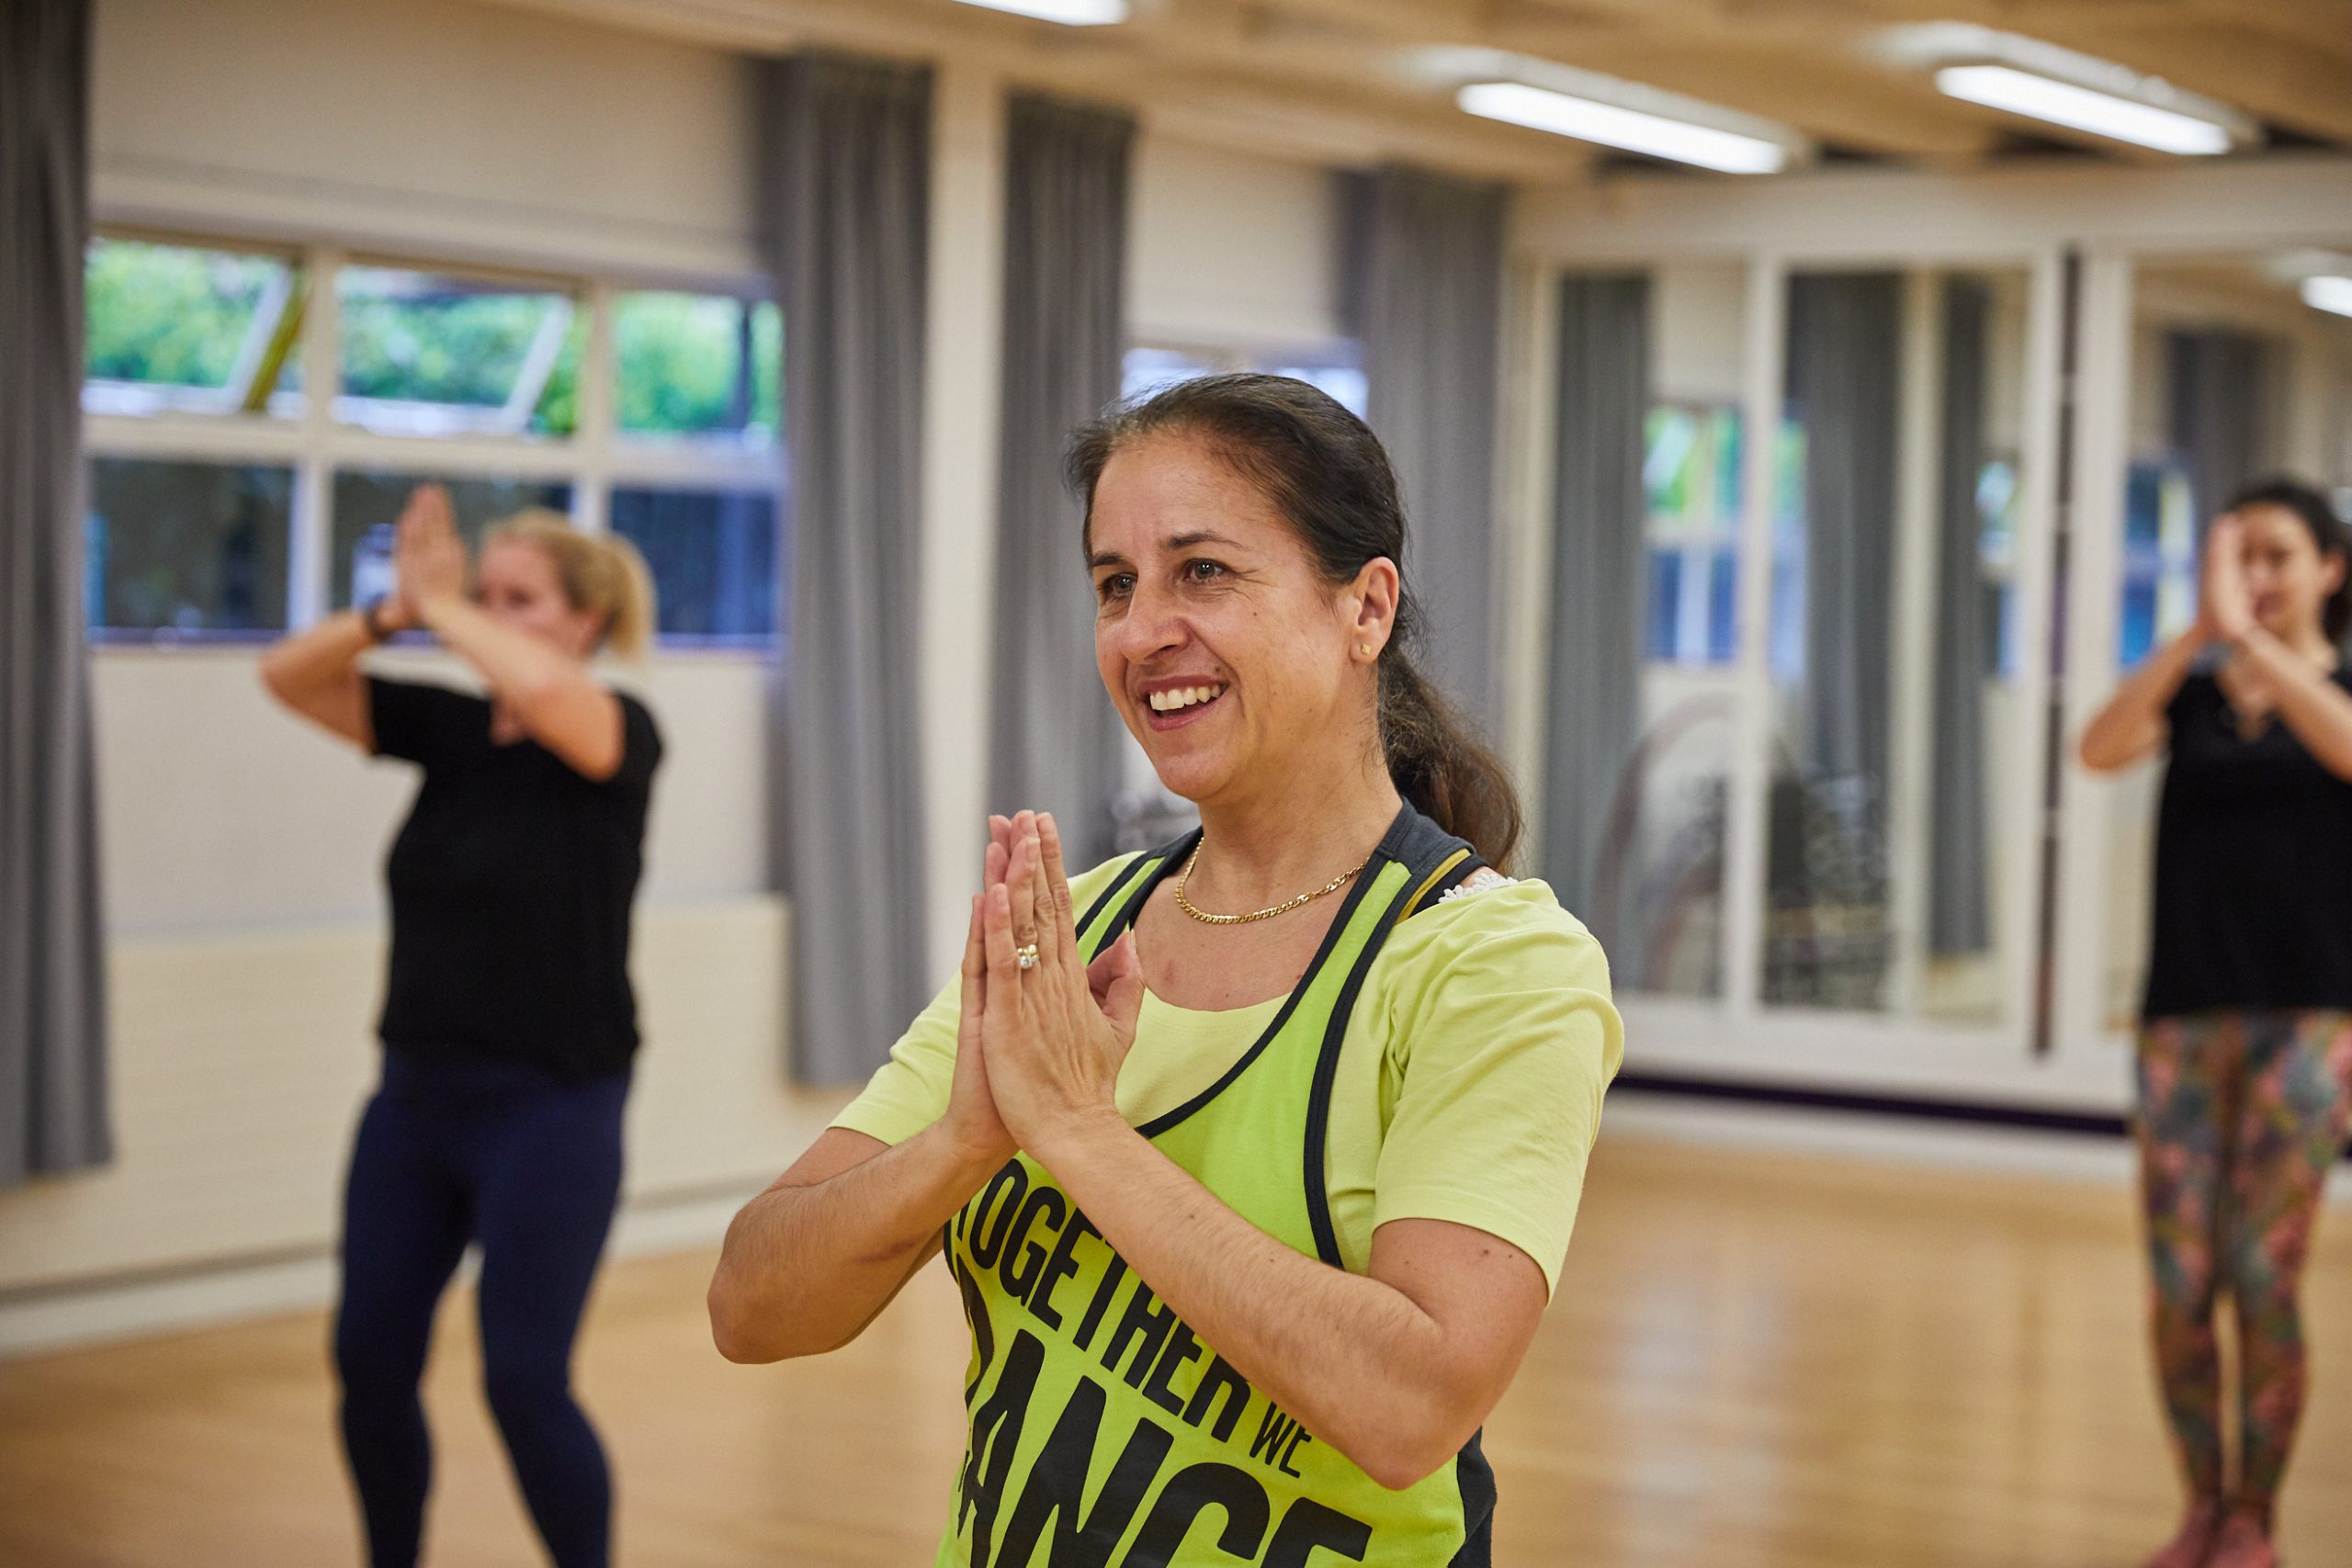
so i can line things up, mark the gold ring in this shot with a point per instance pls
(1027, 956)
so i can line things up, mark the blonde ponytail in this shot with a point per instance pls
(602, 574)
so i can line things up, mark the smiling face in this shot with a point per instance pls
(2288, 579)
(1235, 664)
(517, 584)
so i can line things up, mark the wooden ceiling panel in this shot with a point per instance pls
(1830, 96)
(2271, 78)
(1283, 66)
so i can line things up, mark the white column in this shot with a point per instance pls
(1763, 355)
(961, 401)
(1523, 537)
(2081, 959)
(1918, 471)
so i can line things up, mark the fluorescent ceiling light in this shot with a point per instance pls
(2031, 77)
(2101, 113)
(1611, 125)
(1069, 12)
(2329, 294)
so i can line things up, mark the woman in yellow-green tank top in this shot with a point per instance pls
(1254, 1156)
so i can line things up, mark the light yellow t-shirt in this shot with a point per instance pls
(1469, 1083)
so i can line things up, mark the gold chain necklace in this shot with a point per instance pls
(1266, 914)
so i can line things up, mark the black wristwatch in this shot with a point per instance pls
(377, 631)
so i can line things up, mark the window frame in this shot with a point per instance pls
(594, 459)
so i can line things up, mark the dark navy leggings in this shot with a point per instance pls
(528, 1165)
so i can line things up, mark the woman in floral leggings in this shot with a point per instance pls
(2245, 1060)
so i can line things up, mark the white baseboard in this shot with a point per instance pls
(108, 1312)
(1905, 1139)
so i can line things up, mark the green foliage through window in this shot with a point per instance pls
(412, 338)
(175, 319)
(698, 364)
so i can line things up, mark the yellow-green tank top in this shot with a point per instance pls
(1103, 1432)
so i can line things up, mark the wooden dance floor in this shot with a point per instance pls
(1755, 1360)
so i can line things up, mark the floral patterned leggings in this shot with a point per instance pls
(2241, 1116)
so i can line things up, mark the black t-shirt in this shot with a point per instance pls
(2254, 867)
(511, 885)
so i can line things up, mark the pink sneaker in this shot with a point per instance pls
(2198, 1530)
(2243, 1543)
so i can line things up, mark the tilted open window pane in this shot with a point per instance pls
(714, 557)
(425, 354)
(367, 505)
(185, 549)
(170, 329)
(699, 364)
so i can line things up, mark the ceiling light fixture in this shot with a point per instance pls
(1544, 94)
(2332, 294)
(2041, 81)
(1068, 13)
(1539, 108)
(2101, 113)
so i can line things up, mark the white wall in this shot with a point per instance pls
(476, 130)
(1226, 248)
(1697, 316)
(220, 812)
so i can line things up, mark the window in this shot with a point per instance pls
(2159, 557)
(472, 381)
(1691, 481)
(1342, 375)
(366, 506)
(427, 354)
(714, 557)
(698, 365)
(183, 548)
(1336, 368)
(170, 329)
(1997, 555)
(1147, 370)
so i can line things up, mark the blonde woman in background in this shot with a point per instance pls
(508, 1023)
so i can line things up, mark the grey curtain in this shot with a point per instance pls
(1056, 736)
(52, 946)
(1424, 293)
(1827, 941)
(1598, 506)
(844, 187)
(1958, 918)
(1845, 333)
(2218, 409)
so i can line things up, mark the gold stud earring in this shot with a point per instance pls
(1364, 649)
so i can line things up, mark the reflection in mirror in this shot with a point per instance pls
(1894, 646)
(1643, 635)
(2236, 377)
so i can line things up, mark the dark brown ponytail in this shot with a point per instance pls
(1326, 472)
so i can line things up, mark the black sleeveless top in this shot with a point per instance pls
(2254, 867)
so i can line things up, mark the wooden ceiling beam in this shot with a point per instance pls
(1831, 96)
(2272, 79)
